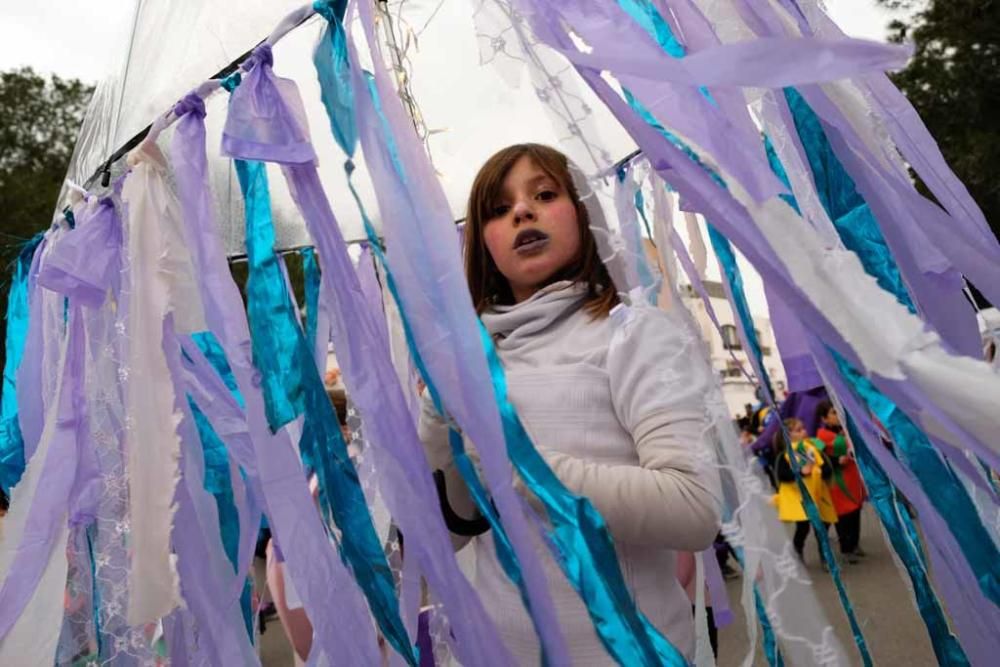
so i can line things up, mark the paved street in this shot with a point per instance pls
(881, 599)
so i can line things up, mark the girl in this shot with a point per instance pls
(815, 470)
(612, 398)
(846, 488)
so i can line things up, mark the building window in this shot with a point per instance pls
(730, 339)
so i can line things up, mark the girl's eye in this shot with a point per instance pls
(547, 195)
(499, 210)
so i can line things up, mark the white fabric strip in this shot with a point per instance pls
(152, 444)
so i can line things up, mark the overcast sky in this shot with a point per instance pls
(71, 38)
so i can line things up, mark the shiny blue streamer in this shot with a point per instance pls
(269, 308)
(587, 554)
(95, 590)
(310, 270)
(333, 69)
(216, 356)
(506, 555)
(727, 258)
(504, 548)
(771, 651)
(905, 540)
(279, 344)
(778, 170)
(642, 268)
(851, 216)
(218, 482)
(12, 461)
(943, 488)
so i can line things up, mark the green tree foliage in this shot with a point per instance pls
(954, 83)
(39, 122)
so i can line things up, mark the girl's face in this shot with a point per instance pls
(533, 232)
(798, 432)
(832, 418)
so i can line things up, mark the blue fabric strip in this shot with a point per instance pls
(310, 270)
(269, 309)
(851, 216)
(95, 590)
(290, 375)
(588, 557)
(12, 461)
(938, 480)
(210, 347)
(905, 540)
(587, 554)
(333, 69)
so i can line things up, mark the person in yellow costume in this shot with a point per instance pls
(815, 470)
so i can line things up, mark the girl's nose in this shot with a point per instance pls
(523, 211)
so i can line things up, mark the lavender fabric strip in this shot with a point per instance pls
(201, 561)
(331, 602)
(425, 259)
(359, 332)
(50, 504)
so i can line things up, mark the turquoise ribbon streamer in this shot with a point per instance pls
(579, 533)
(778, 170)
(851, 216)
(771, 651)
(333, 68)
(290, 375)
(905, 540)
(268, 308)
(216, 356)
(944, 490)
(477, 491)
(218, 482)
(310, 270)
(727, 259)
(95, 590)
(12, 461)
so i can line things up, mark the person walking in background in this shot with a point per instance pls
(815, 470)
(846, 488)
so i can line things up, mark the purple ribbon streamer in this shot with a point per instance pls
(202, 581)
(50, 503)
(311, 561)
(434, 294)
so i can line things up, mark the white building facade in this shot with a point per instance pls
(727, 352)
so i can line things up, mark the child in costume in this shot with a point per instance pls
(846, 487)
(614, 401)
(815, 470)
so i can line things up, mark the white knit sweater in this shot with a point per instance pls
(616, 407)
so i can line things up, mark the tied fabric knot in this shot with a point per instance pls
(261, 57)
(191, 103)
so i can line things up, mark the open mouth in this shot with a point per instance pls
(530, 240)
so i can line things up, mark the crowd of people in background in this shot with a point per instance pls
(809, 464)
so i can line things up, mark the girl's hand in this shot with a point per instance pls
(806, 470)
(843, 460)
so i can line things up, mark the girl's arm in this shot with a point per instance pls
(659, 382)
(453, 494)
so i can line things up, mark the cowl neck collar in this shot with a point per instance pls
(533, 316)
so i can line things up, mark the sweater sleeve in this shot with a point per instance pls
(658, 384)
(452, 491)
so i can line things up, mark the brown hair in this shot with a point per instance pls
(486, 284)
(779, 442)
